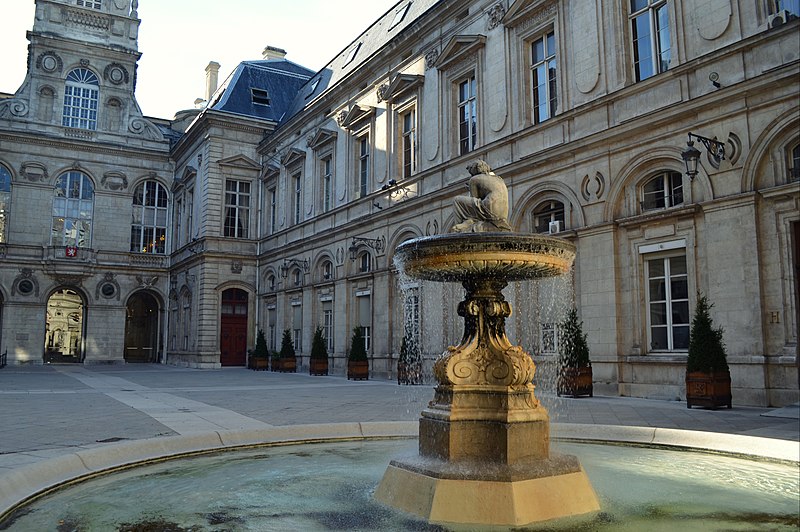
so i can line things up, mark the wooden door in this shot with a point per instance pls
(233, 328)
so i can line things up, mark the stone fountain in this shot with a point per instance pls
(484, 439)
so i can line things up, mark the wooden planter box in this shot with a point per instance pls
(358, 370)
(710, 390)
(258, 363)
(575, 381)
(284, 365)
(409, 373)
(318, 366)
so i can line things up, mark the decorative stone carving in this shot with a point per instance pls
(592, 188)
(25, 284)
(114, 180)
(65, 279)
(431, 57)
(140, 126)
(381, 92)
(108, 288)
(545, 13)
(14, 107)
(495, 15)
(147, 282)
(236, 266)
(134, 8)
(116, 74)
(49, 61)
(34, 172)
(341, 117)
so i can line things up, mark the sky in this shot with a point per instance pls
(178, 38)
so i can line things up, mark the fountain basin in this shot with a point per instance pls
(508, 256)
(316, 487)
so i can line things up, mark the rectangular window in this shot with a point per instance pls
(298, 197)
(364, 307)
(237, 209)
(297, 327)
(189, 216)
(327, 184)
(409, 141)
(327, 324)
(178, 225)
(363, 165)
(663, 191)
(651, 37)
(272, 198)
(543, 77)
(467, 115)
(259, 96)
(80, 107)
(94, 4)
(667, 303)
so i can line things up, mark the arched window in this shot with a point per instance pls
(794, 162)
(364, 262)
(545, 214)
(81, 94)
(662, 191)
(72, 210)
(271, 283)
(326, 270)
(5, 202)
(297, 277)
(149, 224)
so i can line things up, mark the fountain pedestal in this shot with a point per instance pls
(484, 440)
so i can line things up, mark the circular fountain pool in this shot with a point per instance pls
(329, 486)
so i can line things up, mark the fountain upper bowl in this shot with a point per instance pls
(503, 256)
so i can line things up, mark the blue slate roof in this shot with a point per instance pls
(281, 79)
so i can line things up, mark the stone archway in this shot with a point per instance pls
(141, 328)
(64, 327)
(233, 328)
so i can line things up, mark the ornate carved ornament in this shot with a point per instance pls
(14, 107)
(431, 56)
(382, 91)
(114, 180)
(145, 128)
(293, 157)
(341, 117)
(147, 282)
(108, 288)
(116, 74)
(83, 17)
(67, 279)
(356, 116)
(49, 61)
(34, 172)
(236, 266)
(495, 15)
(25, 284)
(524, 14)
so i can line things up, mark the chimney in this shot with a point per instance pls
(271, 52)
(212, 78)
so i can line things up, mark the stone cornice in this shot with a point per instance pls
(33, 138)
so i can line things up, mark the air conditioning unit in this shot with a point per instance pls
(780, 18)
(555, 227)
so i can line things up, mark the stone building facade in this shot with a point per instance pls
(288, 193)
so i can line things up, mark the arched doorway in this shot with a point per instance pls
(233, 328)
(64, 327)
(141, 328)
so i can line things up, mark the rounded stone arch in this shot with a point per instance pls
(774, 139)
(623, 194)
(75, 167)
(65, 323)
(400, 235)
(135, 182)
(265, 278)
(247, 287)
(235, 317)
(546, 191)
(319, 274)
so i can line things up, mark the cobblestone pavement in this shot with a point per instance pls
(49, 410)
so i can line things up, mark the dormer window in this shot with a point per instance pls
(260, 96)
(352, 54)
(81, 94)
(399, 15)
(93, 4)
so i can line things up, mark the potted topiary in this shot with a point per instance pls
(287, 363)
(318, 363)
(574, 367)
(409, 367)
(708, 378)
(357, 362)
(259, 357)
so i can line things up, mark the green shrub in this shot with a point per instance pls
(573, 347)
(287, 347)
(358, 348)
(261, 350)
(706, 349)
(318, 348)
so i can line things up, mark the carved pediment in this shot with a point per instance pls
(293, 156)
(34, 172)
(114, 180)
(270, 171)
(459, 47)
(527, 11)
(356, 115)
(400, 84)
(240, 161)
(320, 137)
